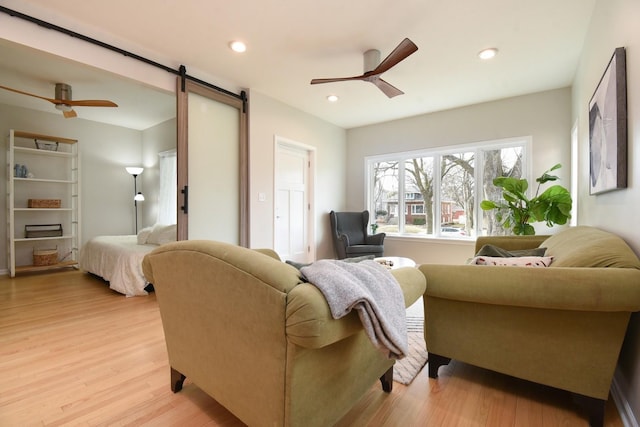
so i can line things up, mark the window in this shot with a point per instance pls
(168, 193)
(441, 189)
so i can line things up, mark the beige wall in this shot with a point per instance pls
(269, 118)
(614, 24)
(545, 116)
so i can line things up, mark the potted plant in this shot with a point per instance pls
(517, 212)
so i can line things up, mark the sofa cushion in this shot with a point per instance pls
(585, 246)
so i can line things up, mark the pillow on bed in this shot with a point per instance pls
(161, 234)
(143, 235)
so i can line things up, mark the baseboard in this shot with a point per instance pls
(4, 272)
(626, 413)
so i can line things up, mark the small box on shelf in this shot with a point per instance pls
(44, 203)
(42, 230)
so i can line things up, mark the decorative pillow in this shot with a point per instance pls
(299, 265)
(496, 251)
(161, 234)
(526, 261)
(143, 235)
(358, 258)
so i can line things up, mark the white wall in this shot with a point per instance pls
(614, 24)
(268, 118)
(545, 116)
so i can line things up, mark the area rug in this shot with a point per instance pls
(405, 370)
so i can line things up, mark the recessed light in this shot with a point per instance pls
(332, 98)
(488, 53)
(238, 46)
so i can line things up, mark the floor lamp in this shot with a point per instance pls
(137, 196)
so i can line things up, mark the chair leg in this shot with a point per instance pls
(593, 407)
(435, 361)
(387, 380)
(177, 380)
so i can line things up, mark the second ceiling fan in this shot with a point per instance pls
(374, 68)
(63, 100)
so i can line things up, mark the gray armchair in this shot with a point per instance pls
(350, 236)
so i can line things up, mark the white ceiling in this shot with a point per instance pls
(292, 41)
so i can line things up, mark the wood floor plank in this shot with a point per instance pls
(73, 352)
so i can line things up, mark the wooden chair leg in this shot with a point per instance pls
(593, 407)
(435, 361)
(177, 380)
(387, 380)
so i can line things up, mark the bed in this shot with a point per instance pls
(118, 259)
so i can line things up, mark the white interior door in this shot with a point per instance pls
(292, 228)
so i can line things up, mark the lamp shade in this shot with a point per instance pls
(139, 197)
(134, 170)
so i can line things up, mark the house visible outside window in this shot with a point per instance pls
(440, 190)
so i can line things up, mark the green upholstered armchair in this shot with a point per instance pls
(242, 326)
(350, 236)
(561, 326)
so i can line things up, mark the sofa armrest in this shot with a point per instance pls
(561, 288)
(309, 322)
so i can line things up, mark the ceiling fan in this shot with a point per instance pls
(374, 68)
(63, 101)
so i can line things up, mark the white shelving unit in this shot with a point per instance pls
(52, 174)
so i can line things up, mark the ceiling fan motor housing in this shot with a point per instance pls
(63, 92)
(371, 60)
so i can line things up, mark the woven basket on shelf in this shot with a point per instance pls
(45, 256)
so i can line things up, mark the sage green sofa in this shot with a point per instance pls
(561, 326)
(244, 327)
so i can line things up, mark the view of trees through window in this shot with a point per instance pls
(438, 193)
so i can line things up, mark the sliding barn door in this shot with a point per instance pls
(212, 165)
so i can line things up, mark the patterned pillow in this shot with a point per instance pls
(496, 251)
(525, 261)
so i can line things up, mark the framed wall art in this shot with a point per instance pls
(608, 128)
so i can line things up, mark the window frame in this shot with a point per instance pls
(437, 152)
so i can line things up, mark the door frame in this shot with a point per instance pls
(278, 142)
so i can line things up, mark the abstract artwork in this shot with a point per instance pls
(608, 128)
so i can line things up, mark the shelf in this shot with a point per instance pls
(42, 209)
(57, 177)
(38, 152)
(54, 181)
(28, 268)
(37, 239)
(31, 135)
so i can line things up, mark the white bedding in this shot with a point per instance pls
(118, 260)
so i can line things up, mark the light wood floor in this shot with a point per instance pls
(72, 352)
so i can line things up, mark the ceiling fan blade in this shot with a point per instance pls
(387, 88)
(89, 103)
(402, 51)
(53, 101)
(338, 79)
(69, 114)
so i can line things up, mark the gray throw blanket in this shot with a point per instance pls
(373, 292)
